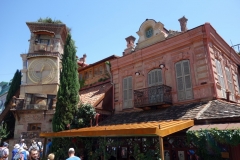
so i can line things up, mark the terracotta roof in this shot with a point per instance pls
(215, 109)
(95, 94)
(188, 111)
(220, 109)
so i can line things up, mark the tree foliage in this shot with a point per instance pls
(3, 131)
(15, 85)
(67, 97)
(9, 119)
(84, 115)
(210, 142)
(48, 20)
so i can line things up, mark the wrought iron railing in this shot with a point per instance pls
(153, 96)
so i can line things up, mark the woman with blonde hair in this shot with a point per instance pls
(51, 156)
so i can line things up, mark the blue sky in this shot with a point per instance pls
(99, 27)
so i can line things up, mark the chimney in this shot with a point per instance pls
(228, 95)
(183, 23)
(130, 45)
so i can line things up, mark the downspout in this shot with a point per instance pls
(108, 66)
(207, 31)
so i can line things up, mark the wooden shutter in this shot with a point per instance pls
(127, 92)
(183, 78)
(180, 82)
(237, 82)
(220, 77)
(187, 79)
(230, 84)
(130, 92)
(155, 77)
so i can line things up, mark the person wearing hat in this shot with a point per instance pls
(71, 154)
(15, 150)
(5, 151)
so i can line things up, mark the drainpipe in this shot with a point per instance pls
(207, 31)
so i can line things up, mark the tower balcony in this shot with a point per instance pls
(42, 47)
(153, 96)
(35, 102)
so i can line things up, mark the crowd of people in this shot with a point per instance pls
(34, 152)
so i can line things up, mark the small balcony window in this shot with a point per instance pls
(34, 127)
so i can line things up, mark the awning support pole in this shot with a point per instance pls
(104, 152)
(161, 148)
(44, 149)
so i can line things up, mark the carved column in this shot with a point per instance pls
(24, 70)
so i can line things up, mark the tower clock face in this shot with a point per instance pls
(42, 70)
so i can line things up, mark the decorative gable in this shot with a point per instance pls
(150, 32)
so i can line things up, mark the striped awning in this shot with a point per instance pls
(162, 128)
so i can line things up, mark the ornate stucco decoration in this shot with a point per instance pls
(218, 55)
(150, 32)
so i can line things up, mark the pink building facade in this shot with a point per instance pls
(196, 65)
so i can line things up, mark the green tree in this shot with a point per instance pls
(67, 97)
(9, 119)
(3, 131)
(84, 115)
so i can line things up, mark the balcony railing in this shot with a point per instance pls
(153, 96)
(47, 48)
(51, 54)
(20, 105)
(30, 135)
(37, 107)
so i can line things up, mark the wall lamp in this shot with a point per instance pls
(138, 73)
(161, 66)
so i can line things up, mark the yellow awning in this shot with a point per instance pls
(162, 128)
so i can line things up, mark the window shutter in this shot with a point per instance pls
(129, 92)
(230, 84)
(149, 79)
(237, 82)
(125, 91)
(159, 75)
(187, 78)
(220, 77)
(180, 82)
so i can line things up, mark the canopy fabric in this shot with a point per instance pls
(161, 129)
(225, 126)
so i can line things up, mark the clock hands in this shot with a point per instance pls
(42, 67)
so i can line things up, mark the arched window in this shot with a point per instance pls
(183, 78)
(155, 94)
(149, 32)
(155, 77)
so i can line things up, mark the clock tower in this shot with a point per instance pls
(35, 106)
